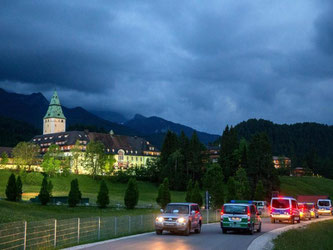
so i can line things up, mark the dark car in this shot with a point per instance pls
(304, 211)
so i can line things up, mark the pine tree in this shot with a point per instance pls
(260, 164)
(213, 182)
(231, 189)
(132, 194)
(242, 185)
(163, 197)
(259, 195)
(103, 195)
(170, 146)
(229, 156)
(189, 192)
(18, 189)
(44, 195)
(196, 195)
(11, 189)
(74, 196)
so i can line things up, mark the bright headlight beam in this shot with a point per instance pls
(181, 220)
(160, 219)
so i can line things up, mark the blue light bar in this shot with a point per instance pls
(241, 201)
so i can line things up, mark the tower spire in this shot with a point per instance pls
(54, 119)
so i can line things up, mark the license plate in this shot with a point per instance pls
(169, 224)
(235, 218)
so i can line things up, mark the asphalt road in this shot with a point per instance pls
(211, 237)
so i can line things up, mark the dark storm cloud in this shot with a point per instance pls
(204, 65)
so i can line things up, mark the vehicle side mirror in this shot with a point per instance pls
(162, 210)
(192, 212)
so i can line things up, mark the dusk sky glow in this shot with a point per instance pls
(202, 64)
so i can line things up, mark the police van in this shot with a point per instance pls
(284, 208)
(240, 216)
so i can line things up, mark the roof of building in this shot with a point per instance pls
(62, 138)
(8, 150)
(277, 158)
(132, 144)
(55, 110)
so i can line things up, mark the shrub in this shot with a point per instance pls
(196, 195)
(131, 194)
(11, 189)
(163, 196)
(74, 196)
(189, 192)
(103, 195)
(44, 195)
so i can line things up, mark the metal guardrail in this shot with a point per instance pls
(53, 233)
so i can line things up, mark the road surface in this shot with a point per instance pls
(211, 237)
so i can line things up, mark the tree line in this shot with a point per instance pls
(14, 190)
(244, 170)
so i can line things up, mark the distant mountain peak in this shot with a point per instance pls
(138, 117)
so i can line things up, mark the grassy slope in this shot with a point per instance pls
(306, 185)
(314, 236)
(90, 187)
(148, 192)
(19, 211)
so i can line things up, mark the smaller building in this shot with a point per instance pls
(213, 153)
(281, 162)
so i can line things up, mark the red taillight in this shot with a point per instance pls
(221, 212)
(290, 211)
(248, 213)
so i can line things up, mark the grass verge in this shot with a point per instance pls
(317, 236)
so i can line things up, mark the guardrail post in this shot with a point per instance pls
(99, 228)
(25, 236)
(129, 224)
(55, 234)
(78, 230)
(115, 226)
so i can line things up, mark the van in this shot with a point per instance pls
(284, 208)
(324, 206)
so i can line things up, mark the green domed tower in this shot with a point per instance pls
(54, 120)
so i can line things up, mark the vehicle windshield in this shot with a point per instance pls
(324, 203)
(176, 209)
(280, 203)
(235, 209)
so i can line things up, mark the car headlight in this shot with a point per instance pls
(160, 219)
(181, 220)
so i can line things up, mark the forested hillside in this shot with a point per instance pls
(13, 132)
(309, 145)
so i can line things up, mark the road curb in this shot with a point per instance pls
(265, 241)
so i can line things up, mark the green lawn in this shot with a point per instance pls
(317, 236)
(19, 211)
(306, 185)
(89, 188)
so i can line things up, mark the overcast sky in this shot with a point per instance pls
(204, 64)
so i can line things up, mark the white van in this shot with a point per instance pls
(324, 206)
(284, 208)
